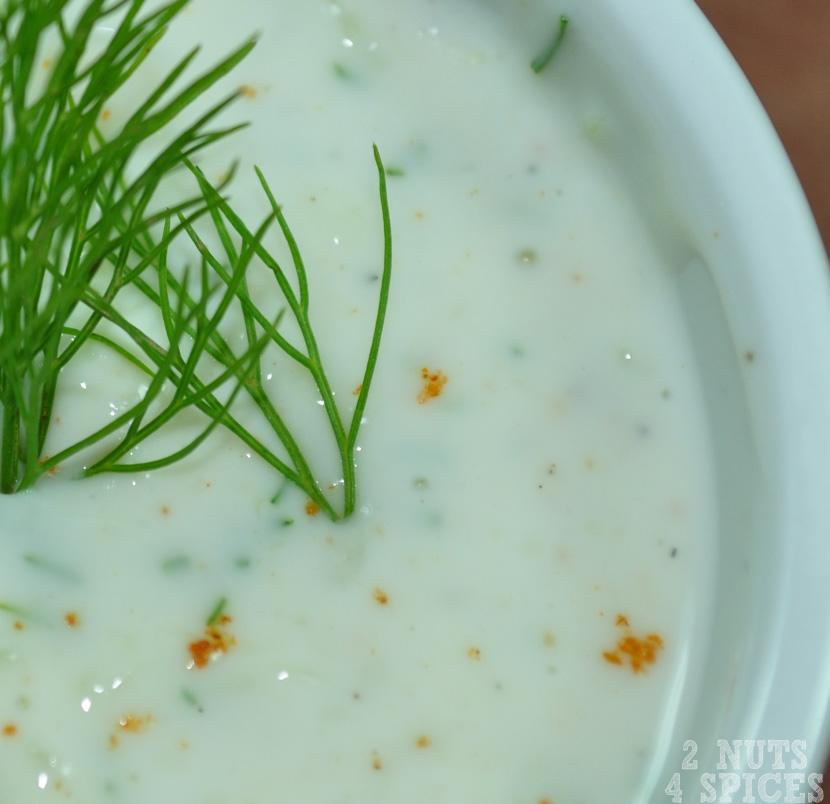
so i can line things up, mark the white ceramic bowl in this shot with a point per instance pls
(754, 280)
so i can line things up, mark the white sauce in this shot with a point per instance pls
(565, 466)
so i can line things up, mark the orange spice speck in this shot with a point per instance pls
(215, 642)
(18, 626)
(423, 741)
(46, 64)
(134, 724)
(200, 651)
(71, 619)
(106, 114)
(474, 653)
(248, 91)
(166, 510)
(549, 638)
(357, 390)
(637, 652)
(434, 382)
(377, 762)
(311, 508)
(381, 598)
(10, 730)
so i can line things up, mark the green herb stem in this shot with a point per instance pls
(546, 56)
(216, 612)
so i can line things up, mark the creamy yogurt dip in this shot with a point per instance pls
(506, 619)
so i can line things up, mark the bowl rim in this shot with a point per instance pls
(684, 64)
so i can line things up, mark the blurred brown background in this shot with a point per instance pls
(784, 48)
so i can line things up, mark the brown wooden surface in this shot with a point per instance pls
(784, 48)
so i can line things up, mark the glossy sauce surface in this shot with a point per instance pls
(506, 615)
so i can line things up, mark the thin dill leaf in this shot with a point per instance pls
(315, 361)
(296, 256)
(97, 337)
(157, 120)
(168, 81)
(242, 230)
(164, 369)
(216, 419)
(314, 364)
(163, 372)
(246, 303)
(383, 300)
(164, 293)
(234, 283)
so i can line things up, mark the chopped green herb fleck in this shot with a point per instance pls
(189, 697)
(217, 612)
(287, 522)
(243, 562)
(546, 56)
(420, 483)
(280, 493)
(517, 350)
(178, 563)
(395, 172)
(52, 567)
(343, 72)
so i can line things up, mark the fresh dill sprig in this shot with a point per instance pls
(546, 56)
(61, 196)
(225, 221)
(86, 231)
